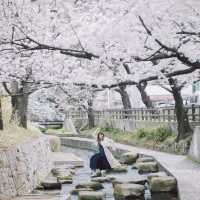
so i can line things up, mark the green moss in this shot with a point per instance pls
(118, 193)
(56, 131)
(1, 164)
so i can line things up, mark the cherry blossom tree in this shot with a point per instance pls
(62, 39)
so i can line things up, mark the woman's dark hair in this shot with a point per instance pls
(98, 136)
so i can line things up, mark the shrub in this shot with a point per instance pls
(142, 133)
(162, 133)
(111, 130)
(158, 134)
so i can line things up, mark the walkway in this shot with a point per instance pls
(186, 171)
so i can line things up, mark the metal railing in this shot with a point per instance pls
(141, 114)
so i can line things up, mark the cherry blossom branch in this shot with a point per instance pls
(167, 52)
(29, 44)
(189, 33)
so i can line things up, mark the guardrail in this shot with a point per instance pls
(140, 114)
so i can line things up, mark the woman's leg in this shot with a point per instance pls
(93, 162)
(102, 163)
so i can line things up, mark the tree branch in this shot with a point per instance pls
(6, 88)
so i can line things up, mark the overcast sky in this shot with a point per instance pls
(156, 90)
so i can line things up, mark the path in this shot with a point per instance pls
(186, 171)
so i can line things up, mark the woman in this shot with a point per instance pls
(103, 159)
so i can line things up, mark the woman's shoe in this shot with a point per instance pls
(93, 174)
(97, 173)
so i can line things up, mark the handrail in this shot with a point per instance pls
(166, 114)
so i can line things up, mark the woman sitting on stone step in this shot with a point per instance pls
(103, 158)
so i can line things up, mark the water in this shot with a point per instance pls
(84, 174)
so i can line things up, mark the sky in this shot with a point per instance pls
(156, 90)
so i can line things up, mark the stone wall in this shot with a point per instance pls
(23, 166)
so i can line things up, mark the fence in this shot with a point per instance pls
(141, 114)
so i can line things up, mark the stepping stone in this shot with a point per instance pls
(39, 187)
(157, 174)
(88, 195)
(136, 180)
(65, 176)
(146, 167)
(38, 197)
(145, 159)
(128, 158)
(128, 191)
(119, 169)
(76, 191)
(91, 185)
(65, 181)
(60, 158)
(162, 183)
(59, 170)
(51, 183)
(103, 179)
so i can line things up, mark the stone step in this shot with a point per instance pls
(60, 158)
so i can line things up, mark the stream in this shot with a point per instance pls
(84, 174)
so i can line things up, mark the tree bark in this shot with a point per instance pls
(184, 128)
(125, 100)
(1, 117)
(19, 110)
(145, 98)
(19, 103)
(124, 96)
(90, 112)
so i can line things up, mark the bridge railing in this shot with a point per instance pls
(141, 114)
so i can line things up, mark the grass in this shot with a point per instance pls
(86, 133)
(161, 139)
(12, 134)
(89, 131)
(57, 131)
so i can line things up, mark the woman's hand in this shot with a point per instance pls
(110, 148)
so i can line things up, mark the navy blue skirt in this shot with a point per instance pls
(99, 160)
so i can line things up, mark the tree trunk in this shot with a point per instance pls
(19, 109)
(90, 112)
(184, 128)
(145, 98)
(125, 100)
(124, 96)
(1, 117)
(19, 104)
